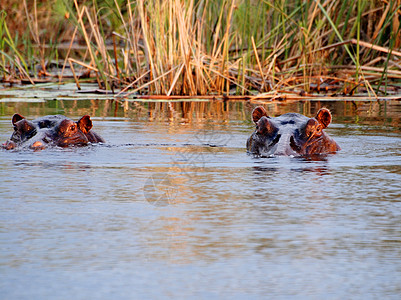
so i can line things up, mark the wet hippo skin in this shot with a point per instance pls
(291, 134)
(53, 130)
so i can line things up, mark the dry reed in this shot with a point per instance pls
(210, 47)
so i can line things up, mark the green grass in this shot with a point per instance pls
(200, 47)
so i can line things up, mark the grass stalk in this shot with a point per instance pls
(193, 47)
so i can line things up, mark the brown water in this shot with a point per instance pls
(173, 207)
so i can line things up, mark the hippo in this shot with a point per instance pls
(53, 130)
(291, 134)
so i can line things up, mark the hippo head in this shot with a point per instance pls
(68, 132)
(291, 134)
(54, 130)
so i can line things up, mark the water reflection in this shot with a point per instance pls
(173, 196)
(383, 113)
(316, 164)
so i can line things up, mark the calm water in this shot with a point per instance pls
(173, 207)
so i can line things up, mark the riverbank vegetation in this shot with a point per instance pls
(205, 47)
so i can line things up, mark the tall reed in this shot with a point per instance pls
(198, 47)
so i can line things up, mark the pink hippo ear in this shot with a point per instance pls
(85, 124)
(16, 118)
(258, 112)
(323, 116)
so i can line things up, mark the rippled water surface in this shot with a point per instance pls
(173, 207)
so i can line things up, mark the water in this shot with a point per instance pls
(173, 207)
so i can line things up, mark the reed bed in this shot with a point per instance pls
(206, 47)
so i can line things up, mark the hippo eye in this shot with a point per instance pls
(318, 131)
(72, 128)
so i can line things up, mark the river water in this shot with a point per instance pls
(173, 207)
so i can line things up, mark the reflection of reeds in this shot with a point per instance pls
(200, 47)
(205, 114)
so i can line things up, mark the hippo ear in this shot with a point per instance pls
(258, 112)
(85, 124)
(324, 117)
(16, 118)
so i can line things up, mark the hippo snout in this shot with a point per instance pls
(283, 145)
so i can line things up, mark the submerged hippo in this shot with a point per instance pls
(290, 134)
(54, 130)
